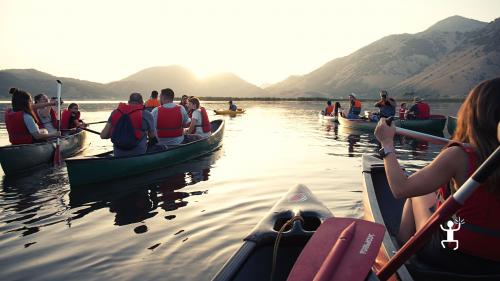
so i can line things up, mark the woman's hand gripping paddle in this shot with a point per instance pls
(341, 249)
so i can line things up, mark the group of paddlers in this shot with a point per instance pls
(386, 105)
(29, 122)
(137, 127)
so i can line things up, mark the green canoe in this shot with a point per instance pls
(22, 158)
(104, 167)
(451, 125)
(435, 124)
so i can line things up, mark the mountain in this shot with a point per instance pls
(400, 63)
(180, 79)
(183, 81)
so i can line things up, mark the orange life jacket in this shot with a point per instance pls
(480, 235)
(169, 122)
(205, 122)
(53, 119)
(152, 103)
(135, 113)
(18, 132)
(357, 104)
(329, 110)
(65, 116)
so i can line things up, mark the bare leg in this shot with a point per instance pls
(422, 209)
(407, 226)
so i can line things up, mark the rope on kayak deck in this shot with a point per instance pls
(277, 242)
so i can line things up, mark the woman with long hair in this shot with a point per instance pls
(476, 223)
(22, 122)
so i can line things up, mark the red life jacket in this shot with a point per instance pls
(18, 132)
(135, 113)
(66, 116)
(205, 122)
(423, 111)
(402, 113)
(480, 235)
(53, 119)
(329, 110)
(169, 122)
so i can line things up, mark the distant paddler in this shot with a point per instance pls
(232, 106)
(354, 107)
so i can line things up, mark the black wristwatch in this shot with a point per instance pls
(383, 152)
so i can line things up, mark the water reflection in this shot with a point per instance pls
(135, 200)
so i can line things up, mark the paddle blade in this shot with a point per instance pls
(57, 155)
(349, 258)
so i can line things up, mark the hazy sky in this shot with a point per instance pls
(260, 41)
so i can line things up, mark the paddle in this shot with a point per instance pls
(99, 122)
(450, 206)
(89, 130)
(417, 135)
(57, 150)
(341, 249)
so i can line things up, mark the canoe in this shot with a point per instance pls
(451, 125)
(105, 167)
(321, 115)
(435, 124)
(252, 261)
(229, 112)
(381, 207)
(22, 158)
(359, 124)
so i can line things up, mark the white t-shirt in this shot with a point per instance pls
(199, 130)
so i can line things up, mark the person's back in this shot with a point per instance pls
(152, 102)
(170, 119)
(232, 106)
(329, 108)
(419, 110)
(129, 127)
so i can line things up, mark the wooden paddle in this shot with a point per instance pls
(341, 249)
(57, 151)
(450, 206)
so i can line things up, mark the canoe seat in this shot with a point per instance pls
(423, 271)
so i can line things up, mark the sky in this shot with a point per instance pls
(261, 41)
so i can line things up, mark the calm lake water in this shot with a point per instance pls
(184, 222)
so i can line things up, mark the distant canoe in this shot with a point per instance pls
(104, 167)
(229, 112)
(321, 115)
(22, 158)
(435, 124)
(451, 125)
(358, 124)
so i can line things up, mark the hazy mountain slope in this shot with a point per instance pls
(382, 64)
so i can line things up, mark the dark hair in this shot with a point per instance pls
(135, 98)
(403, 104)
(71, 105)
(21, 101)
(38, 97)
(168, 94)
(195, 101)
(383, 93)
(184, 96)
(329, 102)
(154, 94)
(477, 122)
(337, 104)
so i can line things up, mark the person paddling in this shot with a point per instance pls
(386, 105)
(21, 121)
(200, 124)
(354, 107)
(46, 115)
(70, 118)
(479, 239)
(170, 119)
(329, 109)
(152, 102)
(419, 109)
(232, 106)
(130, 126)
